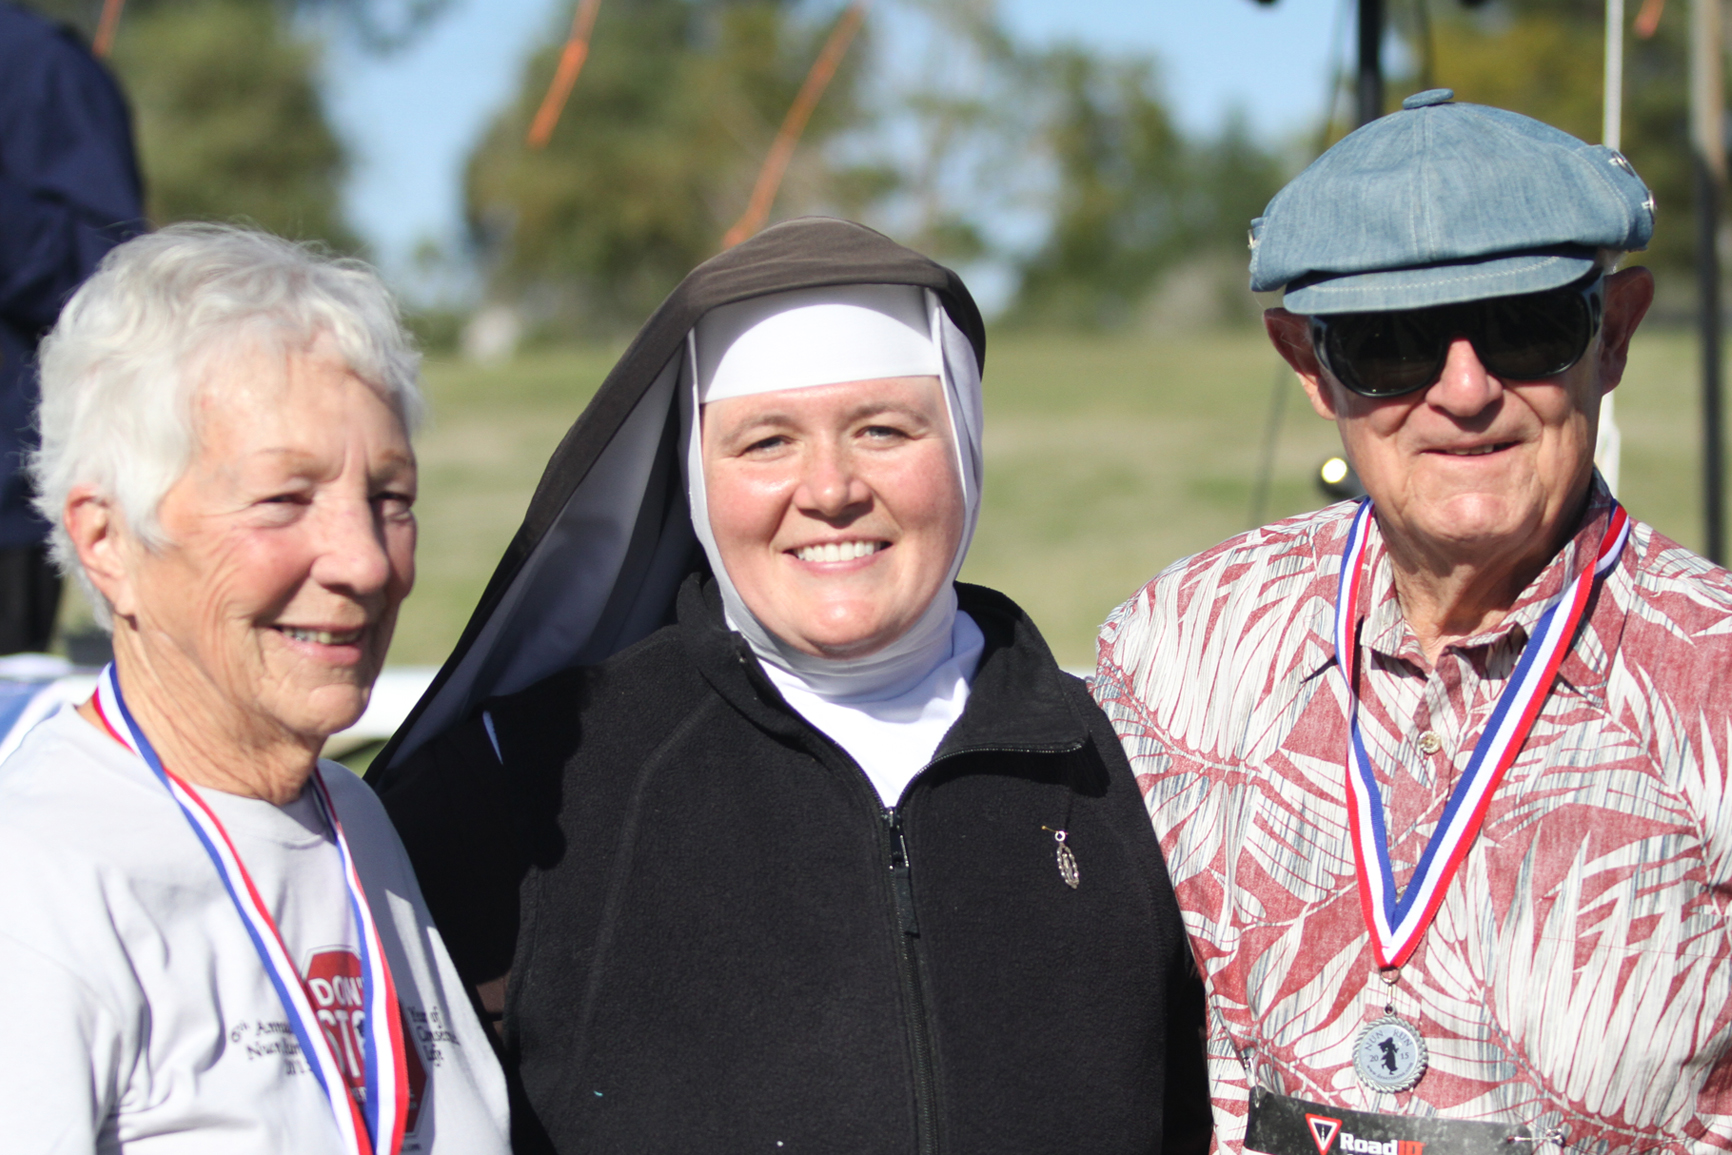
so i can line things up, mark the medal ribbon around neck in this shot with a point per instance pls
(1397, 921)
(371, 1128)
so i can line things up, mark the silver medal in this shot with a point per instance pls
(1389, 1054)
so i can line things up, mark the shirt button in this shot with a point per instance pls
(1430, 743)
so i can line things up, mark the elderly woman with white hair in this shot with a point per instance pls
(210, 940)
(761, 831)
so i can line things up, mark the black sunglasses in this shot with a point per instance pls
(1520, 338)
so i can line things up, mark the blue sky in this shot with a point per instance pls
(412, 117)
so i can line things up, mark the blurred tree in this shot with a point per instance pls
(1233, 179)
(1133, 196)
(962, 125)
(654, 156)
(81, 14)
(226, 105)
(1118, 213)
(382, 25)
(229, 122)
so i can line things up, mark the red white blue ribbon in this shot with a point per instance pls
(371, 1127)
(1397, 921)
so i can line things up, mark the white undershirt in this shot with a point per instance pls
(894, 735)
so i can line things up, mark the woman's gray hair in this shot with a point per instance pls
(133, 348)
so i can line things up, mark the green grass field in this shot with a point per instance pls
(1107, 458)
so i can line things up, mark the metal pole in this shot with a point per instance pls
(1609, 446)
(1707, 133)
(1708, 302)
(1612, 122)
(1370, 60)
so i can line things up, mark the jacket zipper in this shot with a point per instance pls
(907, 926)
(914, 1003)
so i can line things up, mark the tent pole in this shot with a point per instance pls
(1370, 89)
(1707, 133)
(1608, 448)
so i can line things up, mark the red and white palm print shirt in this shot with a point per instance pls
(1578, 975)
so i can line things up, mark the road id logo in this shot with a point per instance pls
(1324, 1131)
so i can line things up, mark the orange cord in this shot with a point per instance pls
(105, 29)
(1648, 19)
(782, 151)
(570, 64)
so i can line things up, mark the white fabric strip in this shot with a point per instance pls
(893, 738)
(813, 337)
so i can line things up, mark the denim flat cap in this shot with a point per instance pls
(1443, 202)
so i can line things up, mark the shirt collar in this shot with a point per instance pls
(1385, 627)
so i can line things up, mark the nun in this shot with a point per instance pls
(752, 827)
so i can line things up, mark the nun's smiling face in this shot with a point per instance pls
(836, 509)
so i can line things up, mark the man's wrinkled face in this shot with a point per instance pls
(1473, 457)
(1474, 465)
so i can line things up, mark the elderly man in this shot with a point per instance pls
(1441, 777)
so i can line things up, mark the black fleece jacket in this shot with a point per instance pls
(719, 939)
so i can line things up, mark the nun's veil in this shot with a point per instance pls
(608, 539)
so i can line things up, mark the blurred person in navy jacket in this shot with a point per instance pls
(69, 192)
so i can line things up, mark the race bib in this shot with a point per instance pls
(1282, 1126)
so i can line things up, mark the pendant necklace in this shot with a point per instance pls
(1067, 867)
(1389, 1053)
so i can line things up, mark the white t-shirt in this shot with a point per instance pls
(135, 1013)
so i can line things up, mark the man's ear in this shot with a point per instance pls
(1291, 336)
(100, 537)
(1627, 297)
